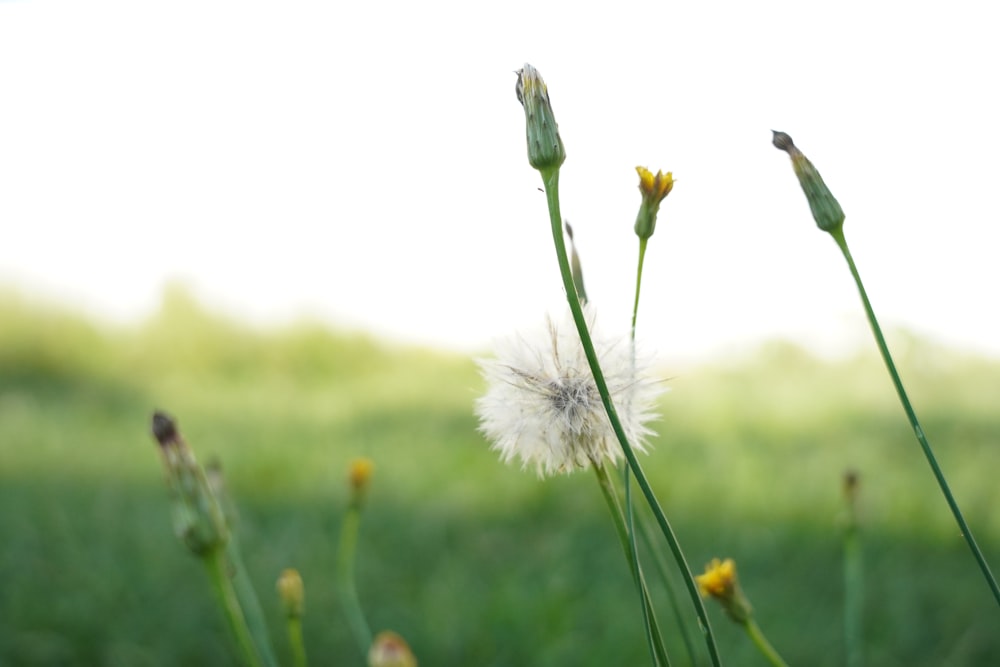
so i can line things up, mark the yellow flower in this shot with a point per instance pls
(654, 189)
(658, 186)
(361, 473)
(719, 582)
(719, 579)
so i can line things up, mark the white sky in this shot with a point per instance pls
(365, 163)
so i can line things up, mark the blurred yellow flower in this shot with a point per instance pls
(719, 579)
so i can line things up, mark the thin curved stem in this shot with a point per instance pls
(764, 646)
(550, 178)
(838, 236)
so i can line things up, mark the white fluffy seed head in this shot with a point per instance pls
(542, 405)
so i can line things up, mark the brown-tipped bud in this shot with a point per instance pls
(164, 428)
(390, 650)
(826, 210)
(720, 582)
(292, 593)
(199, 520)
(545, 148)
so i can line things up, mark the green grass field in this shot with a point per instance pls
(474, 562)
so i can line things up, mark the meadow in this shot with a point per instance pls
(474, 562)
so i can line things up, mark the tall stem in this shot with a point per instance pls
(345, 575)
(550, 178)
(838, 236)
(217, 565)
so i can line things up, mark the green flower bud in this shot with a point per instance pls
(545, 148)
(825, 209)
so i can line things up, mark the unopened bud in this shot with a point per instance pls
(545, 147)
(654, 190)
(825, 208)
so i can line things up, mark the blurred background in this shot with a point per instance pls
(284, 223)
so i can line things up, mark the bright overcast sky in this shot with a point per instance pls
(364, 162)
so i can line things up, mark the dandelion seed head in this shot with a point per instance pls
(542, 405)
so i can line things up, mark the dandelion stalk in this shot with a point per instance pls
(925, 445)
(360, 475)
(829, 217)
(550, 179)
(654, 638)
(546, 153)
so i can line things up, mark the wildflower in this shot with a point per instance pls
(545, 147)
(542, 404)
(825, 209)
(720, 582)
(359, 476)
(654, 190)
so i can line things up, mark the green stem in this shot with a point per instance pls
(550, 178)
(247, 597)
(217, 564)
(675, 605)
(295, 641)
(657, 651)
(764, 646)
(345, 574)
(838, 236)
(638, 285)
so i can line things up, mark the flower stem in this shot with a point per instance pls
(638, 285)
(675, 606)
(838, 236)
(295, 641)
(764, 646)
(217, 566)
(657, 651)
(345, 575)
(550, 178)
(247, 598)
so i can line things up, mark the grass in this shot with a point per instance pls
(473, 562)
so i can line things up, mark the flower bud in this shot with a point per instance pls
(654, 189)
(390, 650)
(199, 520)
(359, 476)
(292, 593)
(720, 582)
(825, 209)
(545, 147)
